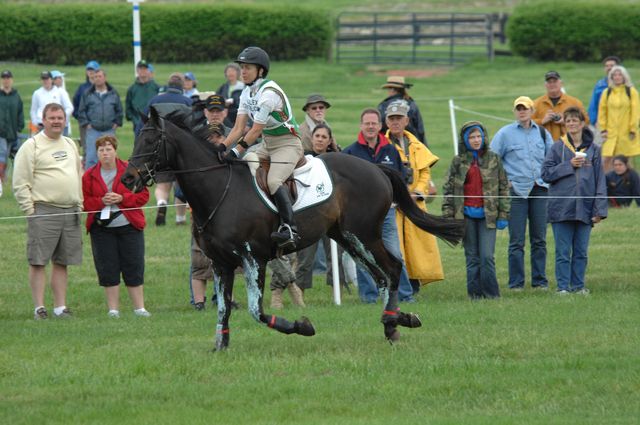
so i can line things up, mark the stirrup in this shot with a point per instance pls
(285, 236)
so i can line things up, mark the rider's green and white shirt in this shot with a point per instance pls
(265, 102)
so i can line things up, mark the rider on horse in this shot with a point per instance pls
(268, 106)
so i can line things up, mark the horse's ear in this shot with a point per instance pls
(154, 117)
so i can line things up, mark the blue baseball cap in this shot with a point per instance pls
(55, 74)
(92, 65)
(190, 76)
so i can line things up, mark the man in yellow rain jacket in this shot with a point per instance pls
(419, 249)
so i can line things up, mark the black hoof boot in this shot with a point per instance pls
(409, 320)
(304, 327)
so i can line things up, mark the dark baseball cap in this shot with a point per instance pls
(142, 64)
(6, 74)
(215, 101)
(551, 74)
(44, 75)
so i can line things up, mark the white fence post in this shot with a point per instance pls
(454, 127)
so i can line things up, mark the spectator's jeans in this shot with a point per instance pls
(367, 288)
(572, 244)
(91, 153)
(533, 208)
(137, 126)
(479, 247)
(5, 148)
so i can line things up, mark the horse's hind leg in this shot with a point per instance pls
(255, 277)
(385, 268)
(224, 293)
(392, 316)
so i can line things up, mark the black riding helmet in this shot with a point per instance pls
(255, 56)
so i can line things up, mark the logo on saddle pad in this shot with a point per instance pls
(313, 183)
(320, 190)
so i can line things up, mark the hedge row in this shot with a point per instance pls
(71, 34)
(576, 30)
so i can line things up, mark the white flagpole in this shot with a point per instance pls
(137, 43)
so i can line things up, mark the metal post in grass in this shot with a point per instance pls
(137, 44)
(335, 272)
(454, 132)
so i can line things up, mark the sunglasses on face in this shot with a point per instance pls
(317, 108)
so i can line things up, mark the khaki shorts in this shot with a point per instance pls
(201, 267)
(284, 152)
(56, 238)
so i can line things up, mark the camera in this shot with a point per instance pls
(556, 117)
(408, 173)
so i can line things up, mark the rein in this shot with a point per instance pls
(151, 172)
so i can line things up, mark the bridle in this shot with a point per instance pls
(148, 172)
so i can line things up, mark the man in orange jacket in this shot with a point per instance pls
(550, 107)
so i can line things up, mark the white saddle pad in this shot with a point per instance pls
(312, 181)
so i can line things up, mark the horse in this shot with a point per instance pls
(233, 226)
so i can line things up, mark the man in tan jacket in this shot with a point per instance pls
(548, 109)
(47, 182)
(315, 110)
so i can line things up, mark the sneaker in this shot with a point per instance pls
(583, 291)
(66, 313)
(199, 306)
(517, 289)
(541, 288)
(41, 314)
(161, 218)
(142, 313)
(562, 292)
(114, 313)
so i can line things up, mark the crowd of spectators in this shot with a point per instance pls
(518, 179)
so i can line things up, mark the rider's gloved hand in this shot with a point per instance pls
(232, 155)
(220, 147)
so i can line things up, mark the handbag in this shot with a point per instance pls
(104, 222)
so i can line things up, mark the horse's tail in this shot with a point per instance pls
(448, 229)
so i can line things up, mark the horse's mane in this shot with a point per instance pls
(193, 123)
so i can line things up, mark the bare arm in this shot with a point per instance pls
(237, 130)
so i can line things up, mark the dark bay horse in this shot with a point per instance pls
(233, 226)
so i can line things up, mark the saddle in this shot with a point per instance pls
(289, 183)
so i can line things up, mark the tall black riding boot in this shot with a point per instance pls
(287, 235)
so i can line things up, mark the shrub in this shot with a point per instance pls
(578, 31)
(72, 34)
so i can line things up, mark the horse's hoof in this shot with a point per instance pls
(220, 346)
(393, 336)
(304, 327)
(409, 320)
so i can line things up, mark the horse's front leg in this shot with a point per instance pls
(255, 276)
(224, 293)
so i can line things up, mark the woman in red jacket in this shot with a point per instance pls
(116, 227)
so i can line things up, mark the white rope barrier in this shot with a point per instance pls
(470, 111)
(17, 217)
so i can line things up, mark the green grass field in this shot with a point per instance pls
(530, 357)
